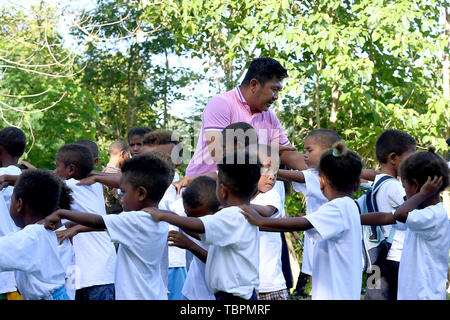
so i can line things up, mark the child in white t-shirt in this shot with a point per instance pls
(142, 240)
(94, 253)
(391, 148)
(424, 262)
(335, 226)
(232, 264)
(197, 201)
(33, 252)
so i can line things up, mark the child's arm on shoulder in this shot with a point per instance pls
(8, 180)
(369, 174)
(377, 219)
(265, 211)
(429, 189)
(69, 233)
(111, 180)
(275, 225)
(291, 175)
(185, 223)
(179, 240)
(86, 219)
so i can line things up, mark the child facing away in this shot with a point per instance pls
(335, 226)
(232, 263)
(307, 182)
(197, 201)
(391, 148)
(33, 252)
(142, 240)
(12, 147)
(424, 261)
(94, 253)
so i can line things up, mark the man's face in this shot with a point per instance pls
(267, 94)
(135, 144)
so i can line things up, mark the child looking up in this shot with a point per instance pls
(336, 227)
(33, 251)
(142, 240)
(424, 262)
(232, 264)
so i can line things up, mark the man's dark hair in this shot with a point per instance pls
(91, 145)
(324, 137)
(118, 146)
(395, 141)
(201, 192)
(147, 171)
(39, 189)
(138, 131)
(342, 166)
(78, 155)
(13, 140)
(264, 69)
(240, 172)
(424, 164)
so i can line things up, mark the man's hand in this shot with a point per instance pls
(431, 186)
(90, 180)
(27, 165)
(281, 148)
(252, 215)
(180, 184)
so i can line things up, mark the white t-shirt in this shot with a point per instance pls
(141, 246)
(337, 254)
(271, 276)
(67, 256)
(314, 199)
(232, 265)
(279, 187)
(389, 197)
(7, 225)
(195, 287)
(34, 255)
(424, 264)
(172, 201)
(8, 191)
(95, 254)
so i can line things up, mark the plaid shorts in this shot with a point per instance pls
(274, 295)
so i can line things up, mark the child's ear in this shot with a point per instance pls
(71, 170)
(415, 184)
(142, 193)
(392, 157)
(95, 162)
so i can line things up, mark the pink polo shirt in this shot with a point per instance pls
(223, 110)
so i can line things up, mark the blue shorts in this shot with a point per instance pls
(176, 279)
(100, 292)
(60, 294)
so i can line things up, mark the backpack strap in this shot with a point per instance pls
(391, 235)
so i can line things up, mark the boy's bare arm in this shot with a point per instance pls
(181, 241)
(294, 160)
(369, 174)
(111, 180)
(8, 180)
(86, 219)
(185, 223)
(291, 175)
(377, 219)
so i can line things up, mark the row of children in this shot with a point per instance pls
(233, 232)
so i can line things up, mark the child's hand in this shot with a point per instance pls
(156, 214)
(251, 215)
(431, 186)
(90, 180)
(179, 240)
(66, 234)
(27, 165)
(52, 221)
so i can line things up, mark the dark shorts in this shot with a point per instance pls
(225, 296)
(101, 292)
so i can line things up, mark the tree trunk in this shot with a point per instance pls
(335, 105)
(316, 96)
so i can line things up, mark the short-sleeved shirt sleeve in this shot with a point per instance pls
(269, 198)
(226, 227)
(328, 221)
(124, 228)
(421, 221)
(278, 132)
(216, 115)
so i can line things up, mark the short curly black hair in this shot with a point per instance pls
(393, 140)
(148, 171)
(201, 192)
(39, 189)
(138, 131)
(421, 165)
(13, 140)
(78, 155)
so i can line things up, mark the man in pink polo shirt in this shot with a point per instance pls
(248, 102)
